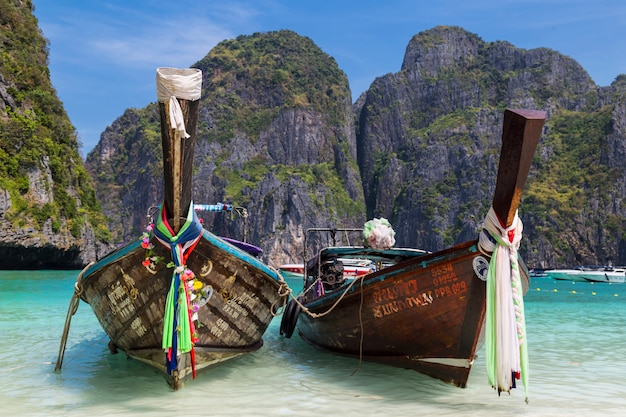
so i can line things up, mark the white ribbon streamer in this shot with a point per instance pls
(506, 349)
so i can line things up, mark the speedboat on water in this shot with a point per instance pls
(607, 274)
(571, 274)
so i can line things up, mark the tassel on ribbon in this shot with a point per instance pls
(505, 333)
(178, 327)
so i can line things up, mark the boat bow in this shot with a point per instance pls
(422, 311)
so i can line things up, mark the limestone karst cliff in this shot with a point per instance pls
(280, 135)
(49, 216)
(419, 147)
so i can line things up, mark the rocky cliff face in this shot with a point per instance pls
(420, 147)
(278, 135)
(583, 221)
(428, 137)
(275, 136)
(48, 211)
(127, 170)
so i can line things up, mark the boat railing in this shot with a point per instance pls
(220, 207)
(333, 231)
(233, 210)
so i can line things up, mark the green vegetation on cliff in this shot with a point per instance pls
(37, 141)
(576, 182)
(252, 78)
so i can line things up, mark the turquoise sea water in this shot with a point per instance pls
(577, 348)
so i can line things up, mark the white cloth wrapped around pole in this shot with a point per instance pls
(185, 83)
(173, 83)
(506, 349)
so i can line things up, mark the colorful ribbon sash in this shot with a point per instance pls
(178, 328)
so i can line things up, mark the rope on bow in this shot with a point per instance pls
(505, 333)
(73, 307)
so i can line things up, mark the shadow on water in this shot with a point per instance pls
(90, 367)
(285, 374)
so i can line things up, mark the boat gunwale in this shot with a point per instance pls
(425, 260)
(218, 242)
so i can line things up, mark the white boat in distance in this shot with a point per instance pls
(609, 274)
(350, 267)
(292, 270)
(572, 274)
(589, 274)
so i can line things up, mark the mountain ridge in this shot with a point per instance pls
(278, 133)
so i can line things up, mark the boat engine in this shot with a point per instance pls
(332, 274)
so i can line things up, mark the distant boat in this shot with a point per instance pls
(181, 299)
(607, 274)
(292, 270)
(537, 273)
(229, 208)
(589, 274)
(567, 274)
(419, 310)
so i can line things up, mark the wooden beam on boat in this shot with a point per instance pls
(520, 134)
(178, 155)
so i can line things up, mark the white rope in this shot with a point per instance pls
(173, 83)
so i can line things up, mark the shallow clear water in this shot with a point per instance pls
(577, 345)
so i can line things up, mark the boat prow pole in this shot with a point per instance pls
(520, 135)
(506, 351)
(178, 88)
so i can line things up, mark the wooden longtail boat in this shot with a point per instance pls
(417, 310)
(180, 299)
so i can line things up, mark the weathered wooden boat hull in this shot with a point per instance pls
(129, 302)
(424, 314)
(179, 298)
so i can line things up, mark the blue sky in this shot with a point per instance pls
(103, 53)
